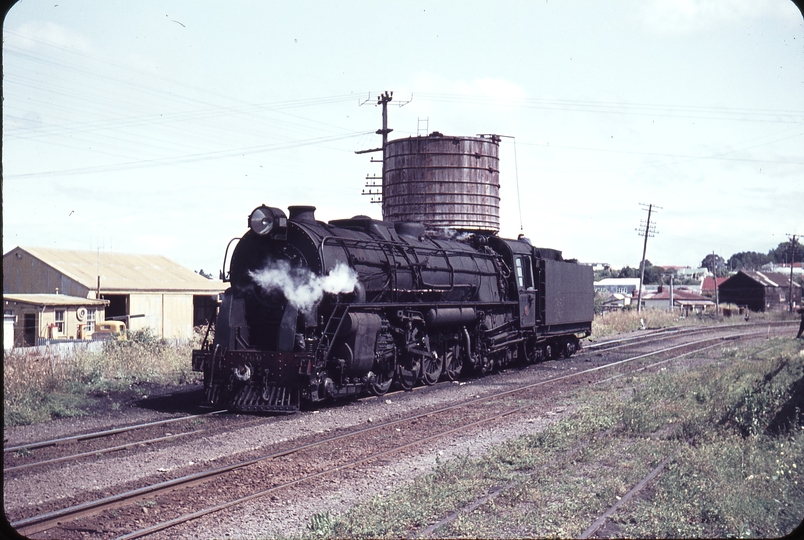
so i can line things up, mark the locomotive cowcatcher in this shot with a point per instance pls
(421, 306)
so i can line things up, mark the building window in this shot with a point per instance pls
(90, 320)
(60, 320)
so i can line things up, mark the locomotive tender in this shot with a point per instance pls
(416, 307)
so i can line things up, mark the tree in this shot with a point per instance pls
(653, 274)
(715, 264)
(603, 274)
(748, 260)
(628, 272)
(781, 254)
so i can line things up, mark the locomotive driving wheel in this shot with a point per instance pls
(453, 363)
(381, 383)
(385, 365)
(431, 369)
(407, 372)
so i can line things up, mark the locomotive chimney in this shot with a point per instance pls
(303, 214)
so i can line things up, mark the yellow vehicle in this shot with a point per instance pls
(109, 330)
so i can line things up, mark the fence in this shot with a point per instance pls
(60, 347)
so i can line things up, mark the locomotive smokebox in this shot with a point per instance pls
(444, 182)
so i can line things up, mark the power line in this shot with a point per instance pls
(187, 158)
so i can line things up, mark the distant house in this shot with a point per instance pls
(625, 286)
(684, 301)
(693, 273)
(784, 268)
(142, 290)
(615, 302)
(30, 318)
(760, 291)
(709, 285)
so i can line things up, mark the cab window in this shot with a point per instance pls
(523, 274)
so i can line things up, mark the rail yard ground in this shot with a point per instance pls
(732, 428)
(728, 419)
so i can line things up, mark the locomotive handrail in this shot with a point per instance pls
(226, 275)
(391, 248)
(377, 243)
(449, 265)
(328, 336)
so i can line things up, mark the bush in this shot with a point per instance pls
(38, 387)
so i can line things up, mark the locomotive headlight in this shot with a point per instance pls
(261, 220)
(266, 220)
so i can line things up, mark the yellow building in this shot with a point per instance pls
(37, 317)
(145, 291)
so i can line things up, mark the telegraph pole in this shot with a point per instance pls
(793, 241)
(647, 232)
(377, 195)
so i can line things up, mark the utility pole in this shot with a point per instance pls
(647, 232)
(717, 291)
(793, 241)
(377, 194)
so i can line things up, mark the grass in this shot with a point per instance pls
(41, 387)
(628, 320)
(736, 424)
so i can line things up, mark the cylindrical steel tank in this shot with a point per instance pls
(444, 182)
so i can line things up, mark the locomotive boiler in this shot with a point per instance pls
(320, 311)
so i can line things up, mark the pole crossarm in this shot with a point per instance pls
(649, 231)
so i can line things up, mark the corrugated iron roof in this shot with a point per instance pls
(708, 283)
(121, 272)
(769, 279)
(618, 281)
(53, 300)
(678, 295)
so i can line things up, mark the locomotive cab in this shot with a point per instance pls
(517, 254)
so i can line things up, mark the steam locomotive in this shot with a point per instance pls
(321, 311)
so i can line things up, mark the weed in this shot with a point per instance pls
(23, 452)
(38, 387)
(320, 524)
(740, 443)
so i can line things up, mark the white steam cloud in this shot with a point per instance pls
(302, 288)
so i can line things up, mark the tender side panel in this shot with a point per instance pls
(569, 293)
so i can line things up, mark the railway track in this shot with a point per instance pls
(93, 444)
(344, 451)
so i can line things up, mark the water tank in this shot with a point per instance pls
(444, 182)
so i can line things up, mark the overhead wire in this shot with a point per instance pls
(208, 122)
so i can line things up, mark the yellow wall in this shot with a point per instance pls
(47, 317)
(168, 315)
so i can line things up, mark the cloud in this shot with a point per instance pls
(693, 16)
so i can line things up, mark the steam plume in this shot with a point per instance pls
(302, 288)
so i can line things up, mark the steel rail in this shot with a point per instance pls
(183, 519)
(200, 513)
(46, 521)
(105, 433)
(109, 449)
(682, 331)
(452, 516)
(101, 451)
(627, 497)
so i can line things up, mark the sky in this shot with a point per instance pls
(158, 126)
